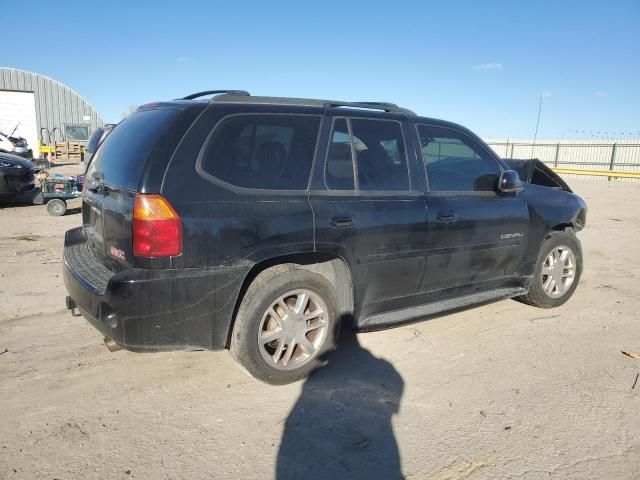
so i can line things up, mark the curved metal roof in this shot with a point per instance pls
(56, 104)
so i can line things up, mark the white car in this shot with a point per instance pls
(15, 145)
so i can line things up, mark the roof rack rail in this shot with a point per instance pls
(384, 106)
(193, 96)
(240, 96)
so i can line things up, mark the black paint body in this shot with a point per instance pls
(402, 249)
(16, 176)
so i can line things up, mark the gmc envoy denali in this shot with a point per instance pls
(260, 224)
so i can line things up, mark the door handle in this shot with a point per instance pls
(100, 188)
(341, 221)
(446, 216)
(94, 187)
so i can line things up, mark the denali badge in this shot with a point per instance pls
(117, 253)
(511, 235)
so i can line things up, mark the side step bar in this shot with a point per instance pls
(422, 312)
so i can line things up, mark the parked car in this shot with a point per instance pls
(261, 225)
(96, 138)
(15, 145)
(16, 176)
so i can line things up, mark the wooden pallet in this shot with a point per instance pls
(70, 151)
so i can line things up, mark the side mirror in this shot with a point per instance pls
(510, 182)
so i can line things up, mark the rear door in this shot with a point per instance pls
(476, 235)
(368, 211)
(141, 143)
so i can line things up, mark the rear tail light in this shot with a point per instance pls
(157, 229)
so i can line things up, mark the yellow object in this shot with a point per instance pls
(47, 148)
(601, 173)
(153, 207)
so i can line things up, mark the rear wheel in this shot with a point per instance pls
(56, 207)
(558, 271)
(286, 324)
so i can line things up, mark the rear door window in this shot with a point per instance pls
(380, 155)
(379, 151)
(455, 162)
(269, 152)
(338, 173)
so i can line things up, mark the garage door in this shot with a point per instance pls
(19, 108)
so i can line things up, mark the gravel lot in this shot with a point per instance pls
(501, 391)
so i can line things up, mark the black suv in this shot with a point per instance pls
(262, 224)
(96, 138)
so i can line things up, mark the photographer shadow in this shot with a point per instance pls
(340, 426)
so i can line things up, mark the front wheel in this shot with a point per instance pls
(558, 271)
(286, 324)
(56, 207)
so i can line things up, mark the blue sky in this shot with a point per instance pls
(483, 64)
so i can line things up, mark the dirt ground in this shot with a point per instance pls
(501, 391)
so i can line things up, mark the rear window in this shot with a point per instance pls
(92, 145)
(271, 152)
(123, 155)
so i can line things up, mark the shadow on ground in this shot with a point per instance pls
(340, 427)
(18, 200)
(73, 211)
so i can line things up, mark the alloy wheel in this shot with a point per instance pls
(558, 271)
(293, 329)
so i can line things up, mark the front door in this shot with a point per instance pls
(477, 236)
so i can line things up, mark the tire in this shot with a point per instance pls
(270, 292)
(56, 207)
(540, 297)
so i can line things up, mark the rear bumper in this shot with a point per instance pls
(152, 309)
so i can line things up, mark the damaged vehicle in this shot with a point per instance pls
(263, 225)
(16, 176)
(15, 145)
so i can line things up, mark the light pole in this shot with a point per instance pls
(535, 135)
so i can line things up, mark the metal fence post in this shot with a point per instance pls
(587, 158)
(613, 159)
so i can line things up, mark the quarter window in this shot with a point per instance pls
(455, 162)
(272, 152)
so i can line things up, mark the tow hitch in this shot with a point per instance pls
(111, 345)
(71, 305)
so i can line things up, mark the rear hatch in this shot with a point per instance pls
(132, 159)
(92, 144)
